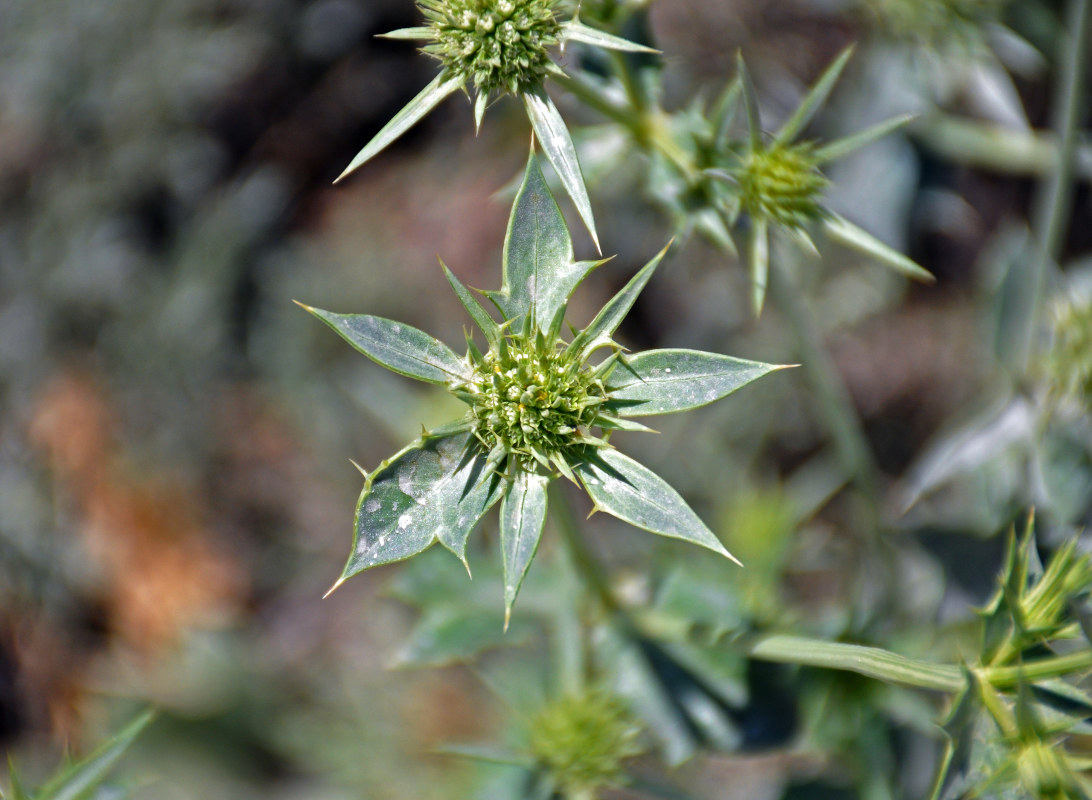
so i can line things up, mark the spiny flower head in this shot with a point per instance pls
(782, 183)
(535, 400)
(582, 741)
(500, 45)
(539, 408)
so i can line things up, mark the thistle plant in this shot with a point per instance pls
(499, 47)
(779, 185)
(538, 409)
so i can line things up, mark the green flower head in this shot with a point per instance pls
(539, 407)
(777, 182)
(581, 741)
(499, 46)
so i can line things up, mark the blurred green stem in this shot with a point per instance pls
(835, 406)
(1053, 204)
(874, 662)
(583, 562)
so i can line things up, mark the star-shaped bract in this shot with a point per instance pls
(499, 46)
(538, 409)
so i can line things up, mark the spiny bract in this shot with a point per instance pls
(501, 45)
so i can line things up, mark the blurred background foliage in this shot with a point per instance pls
(175, 435)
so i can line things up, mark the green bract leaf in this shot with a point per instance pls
(847, 144)
(760, 261)
(845, 232)
(623, 488)
(665, 381)
(599, 331)
(433, 490)
(405, 119)
(399, 347)
(78, 781)
(539, 273)
(813, 100)
(420, 34)
(575, 31)
(558, 146)
(523, 514)
(485, 323)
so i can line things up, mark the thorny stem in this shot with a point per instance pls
(1055, 199)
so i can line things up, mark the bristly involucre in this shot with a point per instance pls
(535, 400)
(783, 184)
(501, 45)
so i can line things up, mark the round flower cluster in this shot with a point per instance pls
(535, 399)
(501, 45)
(1068, 363)
(782, 183)
(582, 740)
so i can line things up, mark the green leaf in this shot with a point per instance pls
(750, 104)
(433, 490)
(523, 514)
(623, 488)
(813, 100)
(538, 269)
(399, 347)
(666, 381)
(847, 144)
(576, 31)
(405, 119)
(419, 34)
(450, 633)
(78, 781)
(485, 323)
(606, 322)
(845, 232)
(760, 262)
(558, 146)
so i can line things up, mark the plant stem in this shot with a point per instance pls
(851, 447)
(1053, 204)
(875, 662)
(872, 662)
(583, 561)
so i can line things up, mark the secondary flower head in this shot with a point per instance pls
(499, 46)
(581, 742)
(538, 407)
(778, 183)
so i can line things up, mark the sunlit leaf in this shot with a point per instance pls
(625, 489)
(435, 490)
(599, 331)
(813, 100)
(399, 347)
(575, 31)
(665, 381)
(80, 780)
(845, 232)
(414, 110)
(488, 326)
(538, 271)
(558, 146)
(834, 150)
(523, 514)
